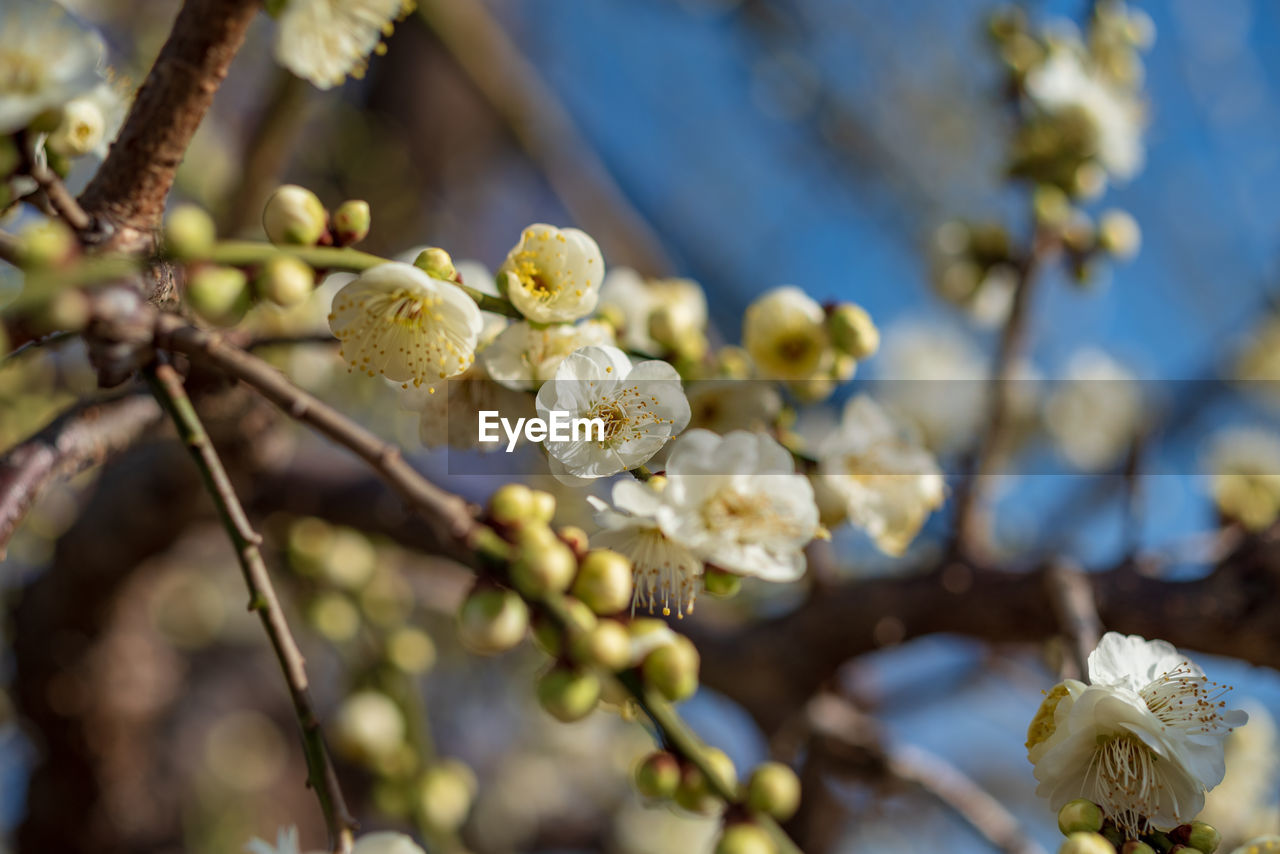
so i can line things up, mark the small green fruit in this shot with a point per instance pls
(1080, 815)
(745, 839)
(492, 621)
(658, 776)
(604, 581)
(774, 789)
(568, 695)
(672, 669)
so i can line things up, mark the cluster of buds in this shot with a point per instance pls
(772, 790)
(576, 599)
(1089, 831)
(223, 294)
(295, 216)
(790, 337)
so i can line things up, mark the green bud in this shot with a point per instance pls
(218, 294)
(658, 776)
(1112, 834)
(1203, 837)
(411, 650)
(1086, 843)
(608, 646)
(445, 792)
(46, 244)
(492, 621)
(65, 311)
(1119, 234)
(437, 264)
(695, 793)
(672, 669)
(852, 331)
(511, 504)
(745, 839)
(543, 568)
(286, 280)
(548, 634)
(1052, 206)
(369, 727)
(604, 581)
(1080, 815)
(1159, 841)
(189, 233)
(351, 222)
(333, 616)
(774, 789)
(575, 538)
(1135, 846)
(568, 695)
(717, 582)
(294, 215)
(544, 506)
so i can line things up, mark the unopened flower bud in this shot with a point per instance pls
(218, 294)
(81, 129)
(672, 669)
(286, 280)
(411, 650)
(717, 582)
(492, 621)
(567, 694)
(65, 311)
(774, 789)
(511, 504)
(351, 222)
(852, 331)
(543, 567)
(1199, 835)
(294, 215)
(1080, 815)
(604, 581)
(695, 793)
(334, 617)
(1086, 843)
(1136, 846)
(608, 646)
(189, 232)
(575, 538)
(658, 776)
(436, 263)
(47, 244)
(745, 839)
(445, 792)
(544, 506)
(1089, 181)
(369, 727)
(1119, 234)
(550, 636)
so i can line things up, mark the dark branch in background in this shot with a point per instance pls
(1232, 611)
(127, 195)
(1071, 595)
(82, 437)
(515, 89)
(167, 387)
(831, 718)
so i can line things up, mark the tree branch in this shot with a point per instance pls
(833, 717)
(83, 436)
(128, 193)
(167, 387)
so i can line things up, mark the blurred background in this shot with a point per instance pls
(743, 144)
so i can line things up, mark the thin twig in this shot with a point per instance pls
(1071, 596)
(81, 437)
(834, 717)
(514, 87)
(449, 512)
(34, 343)
(60, 200)
(167, 387)
(970, 518)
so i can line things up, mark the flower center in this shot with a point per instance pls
(1184, 699)
(613, 416)
(1128, 781)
